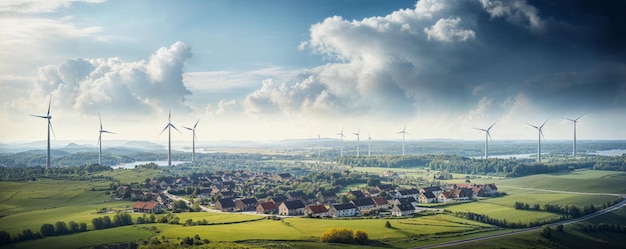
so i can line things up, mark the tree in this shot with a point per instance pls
(337, 235)
(82, 227)
(387, 224)
(5, 237)
(47, 230)
(97, 223)
(545, 231)
(361, 237)
(73, 227)
(106, 222)
(60, 228)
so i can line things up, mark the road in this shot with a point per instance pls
(524, 230)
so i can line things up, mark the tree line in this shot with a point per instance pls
(570, 210)
(32, 173)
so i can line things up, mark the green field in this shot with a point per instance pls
(127, 176)
(87, 239)
(26, 205)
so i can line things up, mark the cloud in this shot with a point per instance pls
(139, 87)
(448, 30)
(517, 12)
(39, 6)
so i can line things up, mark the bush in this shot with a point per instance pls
(361, 237)
(559, 228)
(337, 235)
(545, 231)
(387, 224)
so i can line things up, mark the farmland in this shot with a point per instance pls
(27, 205)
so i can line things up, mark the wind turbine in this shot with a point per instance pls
(575, 121)
(193, 140)
(403, 132)
(487, 137)
(169, 127)
(539, 141)
(369, 141)
(357, 141)
(100, 140)
(340, 134)
(48, 117)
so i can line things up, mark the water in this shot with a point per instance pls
(132, 165)
(517, 156)
(615, 152)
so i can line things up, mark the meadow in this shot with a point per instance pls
(29, 204)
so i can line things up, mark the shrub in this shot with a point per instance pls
(387, 224)
(361, 237)
(545, 231)
(337, 235)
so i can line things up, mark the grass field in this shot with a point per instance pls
(127, 176)
(30, 204)
(87, 239)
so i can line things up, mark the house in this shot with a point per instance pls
(147, 207)
(478, 192)
(405, 193)
(357, 193)
(295, 195)
(279, 200)
(390, 173)
(381, 203)
(385, 187)
(246, 204)
(436, 190)
(427, 197)
(266, 208)
(342, 210)
(402, 210)
(463, 194)
(226, 194)
(136, 194)
(225, 205)
(162, 198)
(291, 208)
(282, 177)
(373, 192)
(316, 211)
(490, 189)
(445, 196)
(364, 203)
(329, 197)
(407, 200)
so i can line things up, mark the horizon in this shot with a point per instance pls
(278, 70)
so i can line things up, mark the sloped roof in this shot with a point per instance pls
(316, 209)
(404, 207)
(429, 195)
(295, 204)
(226, 202)
(267, 205)
(344, 206)
(380, 201)
(248, 201)
(363, 202)
(279, 199)
(150, 205)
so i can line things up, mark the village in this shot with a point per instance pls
(235, 192)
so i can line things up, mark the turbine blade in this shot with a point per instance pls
(533, 126)
(187, 128)
(39, 116)
(175, 128)
(480, 129)
(489, 135)
(544, 123)
(99, 138)
(541, 132)
(168, 125)
(194, 126)
(103, 131)
(570, 119)
(580, 117)
(100, 121)
(52, 129)
(494, 123)
(49, 103)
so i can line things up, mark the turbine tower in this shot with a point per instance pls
(357, 141)
(575, 121)
(169, 127)
(100, 140)
(487, 137)
(539, 141)
(403, 132)
(48, 117)
(340, 134)
(369, 141)
(193, 141)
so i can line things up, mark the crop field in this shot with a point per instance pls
(30, 204)
(87, 239)
(127, 176)
(213, 217)
(310, 229)
(588, 181)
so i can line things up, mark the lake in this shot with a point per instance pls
(132, 165)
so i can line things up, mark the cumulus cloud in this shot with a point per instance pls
(91, 85)
(518, 12)
(448, 30)
(39, 6)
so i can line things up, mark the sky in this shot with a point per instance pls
(282, 69)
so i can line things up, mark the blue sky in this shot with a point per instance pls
(270, 70)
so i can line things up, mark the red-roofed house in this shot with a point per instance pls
(316, 211)
(147, 207)
(381, 203)
(266, 208)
